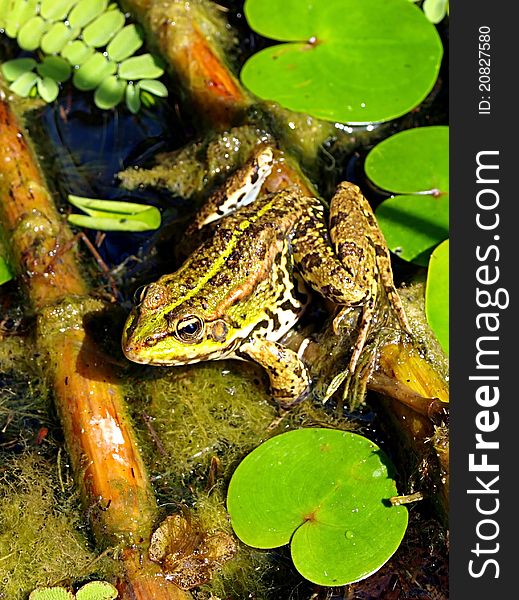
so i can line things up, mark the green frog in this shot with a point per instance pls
(248, 284)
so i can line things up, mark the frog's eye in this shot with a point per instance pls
(190, 328)
(139, 294)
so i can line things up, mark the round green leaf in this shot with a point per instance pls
(12, 69)
(24, 84)
(54, 67)
(54, 40)
(48, 89)
(30, 34)
(110, 92)
(76, 52)
(346, 60)
(133, 99)
(97, 590)
(144, 66)
(51, 593)
(86, 11)
(414, 225)
(327, 492)
(102, 30)
(435, 10)
(93, 71)
(157, 88)
(437, 294)
(19, 12)
(411, 161)
(56, 10)
(125, 43)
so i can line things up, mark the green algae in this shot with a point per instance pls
(40, 541)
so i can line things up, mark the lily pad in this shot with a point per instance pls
(140, 67)
(110, 92)
(48, 89)
(415, 163)
(125, 43)
(31, 32)
(326, 492)
(12, 69)
(5, 271)
(344, 60)
(437, 294)
(92, 72)
(55, 67)
(103, 29)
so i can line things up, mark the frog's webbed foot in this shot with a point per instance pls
(289, 379)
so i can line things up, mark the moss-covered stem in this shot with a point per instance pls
(99, 438)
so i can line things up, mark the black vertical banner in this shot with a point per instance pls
(484, 323)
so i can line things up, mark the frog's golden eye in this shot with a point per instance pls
(190, 329)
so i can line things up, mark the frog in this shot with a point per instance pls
(244, 287)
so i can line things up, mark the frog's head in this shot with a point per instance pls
(163, 331)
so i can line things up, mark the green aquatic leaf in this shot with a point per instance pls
(133, 98)
(110, 92)
(54, 67)
(56, 10)
(326, 492)
(55, 38)
(48, 89)
(77, 52)
(92, 72)
(51, 593)
(103, 29)
(97, 590)
(24, 84)
(157, 88)
(86, 11)
(125, 43)
(344, 60)
(5, 271)
(114, 215)
(144, 66)
(12, 69)
(414, 163)
(30, 34)
(435, 10)
(437, 294)
(17, 14)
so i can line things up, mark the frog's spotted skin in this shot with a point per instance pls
(242, 290)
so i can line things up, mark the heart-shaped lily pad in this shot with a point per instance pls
(345, 60)
(414, 163)
(437, 294)
(327, 493)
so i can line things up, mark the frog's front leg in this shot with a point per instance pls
(288, 376)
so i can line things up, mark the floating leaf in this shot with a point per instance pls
(327, 493)
(133, 99)
(76, 52)
(51, 593)
(12, 69)
(113, 215)
(435, 10)
(92, 72)
(157, 88)
(86, 11)
(144, 66)
(125, 43)
(437, 294)
(56, 10)
(54, 40)
(48, 89)
(110, 92)
(97, 590)
(30, 34)
(19, 12)
(24, 84)
(54, 67)
(376, 64)
(102, 30)
(5, 271)
(414, 162)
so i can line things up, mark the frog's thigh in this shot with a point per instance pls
(353, 224)
(287, 373)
